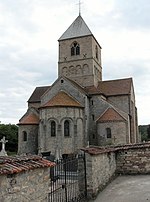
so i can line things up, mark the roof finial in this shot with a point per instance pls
(80, 7)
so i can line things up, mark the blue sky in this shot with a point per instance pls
(29, 30)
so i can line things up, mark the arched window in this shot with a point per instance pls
(66, 128)
(25, 136)
(96, 52)
(75, 49)
(108, 131)
(53, 129)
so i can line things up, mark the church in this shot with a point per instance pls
(79, 109)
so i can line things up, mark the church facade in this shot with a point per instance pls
(79, 108)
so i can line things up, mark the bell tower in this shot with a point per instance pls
(80, 55)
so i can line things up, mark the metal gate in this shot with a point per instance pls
(68, 180)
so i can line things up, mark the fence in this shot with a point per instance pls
(68, 180)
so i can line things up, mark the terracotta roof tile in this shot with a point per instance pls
(110, 115)
(11, 165)
(107, 149)
(30, 119)
(62, 99)
(112, 87)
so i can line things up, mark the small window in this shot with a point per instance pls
(62, 81)
(66, 128)
(93, 117)
(25, 136)
(108, 131)
(96, 52)
(72, 51)
(92, 102)
(53, 129)
(75, 49)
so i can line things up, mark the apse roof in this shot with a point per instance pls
(29, 119)
(62, 99)
(77, 29)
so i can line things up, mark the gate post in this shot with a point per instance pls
(65, 170)
(82, 181)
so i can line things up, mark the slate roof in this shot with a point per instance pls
(110, 115)
(77, 29)
(62, 99)
(112, 87)
(12, 165)
(29, 119)
(37, 93)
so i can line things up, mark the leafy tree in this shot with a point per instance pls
(143, 132)
(10, 131)
(148, 132)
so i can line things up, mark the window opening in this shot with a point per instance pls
(25, 136)
(108, 130)
(66, 128)
(93, 136)
(53, 129)
(96, 52)
(75, 49)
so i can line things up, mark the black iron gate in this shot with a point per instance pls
(68, 180)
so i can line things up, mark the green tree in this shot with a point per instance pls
(10, 131)
(148, 132)
(143, 132)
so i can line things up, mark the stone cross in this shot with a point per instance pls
(39, 151)
(3, 141)
(115, 139)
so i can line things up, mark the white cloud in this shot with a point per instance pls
(29, 30)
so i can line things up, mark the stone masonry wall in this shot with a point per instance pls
(103, 163)
(134, 161)
(25, 187)
(31, 145)
(100, 169)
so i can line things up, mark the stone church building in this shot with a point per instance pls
(79, 108)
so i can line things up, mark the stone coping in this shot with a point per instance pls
(95, 150)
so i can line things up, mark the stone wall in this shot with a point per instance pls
(30, 146)
(134, 161)
(104, 163)
(60, 143)
(25, 187)
(85, 68)
(119, 133)
(100, 170)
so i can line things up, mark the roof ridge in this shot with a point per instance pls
(128, 78)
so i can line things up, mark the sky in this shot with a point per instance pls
(29, 33)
